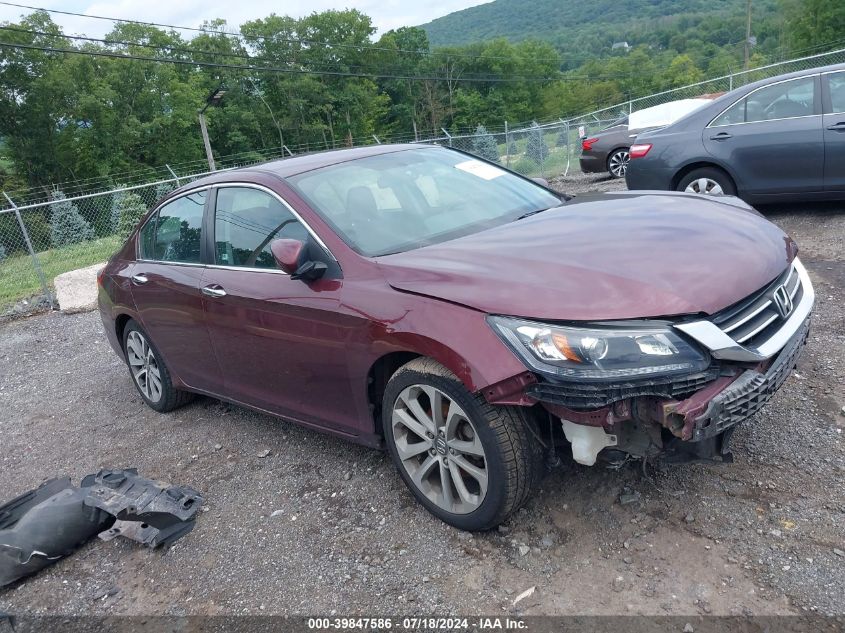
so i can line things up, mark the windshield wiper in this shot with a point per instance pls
(535, 212)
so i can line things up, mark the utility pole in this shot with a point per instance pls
(747, 33)
(206, 142)
(212, 100)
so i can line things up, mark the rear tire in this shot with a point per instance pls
(470, 463)
(617, 162)
(710, 181)
(149, 373)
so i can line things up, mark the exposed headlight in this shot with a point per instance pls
(601, 352)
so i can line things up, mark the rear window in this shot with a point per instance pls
(174, 234)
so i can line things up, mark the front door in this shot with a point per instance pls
(772, 139)
(834, 131)
(166, 289)
(280, 342)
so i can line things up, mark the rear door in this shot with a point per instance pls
(281, 342)
(166, 289)
(771, 139)
(833, 91)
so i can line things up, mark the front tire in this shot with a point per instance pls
(709, 181)
(470, 463)
(149, 373)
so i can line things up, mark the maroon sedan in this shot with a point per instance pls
(467, 318)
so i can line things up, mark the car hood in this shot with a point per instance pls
(612, 256)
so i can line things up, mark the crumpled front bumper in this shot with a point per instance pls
(747, 394)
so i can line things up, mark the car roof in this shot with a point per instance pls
(298, 164)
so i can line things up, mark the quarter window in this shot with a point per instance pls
(785, 100)
(836, 84)
(246, 222)
(174, 234)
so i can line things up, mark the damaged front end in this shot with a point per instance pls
(746, 353)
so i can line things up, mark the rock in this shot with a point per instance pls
(842, 411)
(838, 552)
(107, 593)
(547, 541)
(525, 594)
(688, 628)
(347, 476)
(503, 529)
(776, 533)
(618, 584)
(689, 518)
(217, 447)
(629, 498)
(76, 291)
(523, 549)
(276, 513)
(264, 453)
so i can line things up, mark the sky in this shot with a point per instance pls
(386, 14)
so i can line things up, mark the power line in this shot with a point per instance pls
(308, 42)
(276, 69)
(174, 49)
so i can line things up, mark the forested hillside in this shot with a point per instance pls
(75, 108)
(588, 28)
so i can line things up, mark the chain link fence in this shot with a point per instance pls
(45, 232)
(39, 240)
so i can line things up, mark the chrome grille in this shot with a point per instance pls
(754, 319)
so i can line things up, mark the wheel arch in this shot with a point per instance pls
(377, 378)
(684, 171)
(120, 322)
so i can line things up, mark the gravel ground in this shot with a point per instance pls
(322, 526)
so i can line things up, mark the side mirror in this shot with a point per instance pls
(542, 182)
(288, 254)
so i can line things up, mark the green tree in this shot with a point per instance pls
(682, 72)
(536, 148)
(810, 22)
(484, 145)
(67, 226)
(128, 208)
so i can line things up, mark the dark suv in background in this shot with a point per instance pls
(778, 139)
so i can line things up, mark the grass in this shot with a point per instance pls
(18, 279)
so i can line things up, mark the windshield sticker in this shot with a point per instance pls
(482, 170)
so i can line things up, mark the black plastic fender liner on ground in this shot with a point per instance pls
(151, 512)
(44, 525)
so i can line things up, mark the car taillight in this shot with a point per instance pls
(100, 276)
(587, 144)
(640, 150)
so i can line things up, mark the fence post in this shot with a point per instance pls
(35, 263)
(376, 138)
(568, 149)
(449, 136)
(285, 147)
(507, 147)
(416, 134)
(173, 173)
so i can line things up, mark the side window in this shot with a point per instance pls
(147, 239)
(246, 220)
(836, 84)
(781, 101)
(734, 114)
(179, 230)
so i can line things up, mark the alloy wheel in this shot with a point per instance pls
(144, 366)
(705, 186)
(440, 449)
(618, 163)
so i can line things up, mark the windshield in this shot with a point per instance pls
(407, 199)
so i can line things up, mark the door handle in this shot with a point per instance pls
(214, 291)
(837, 127)
(721, 136)
(139, 279)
